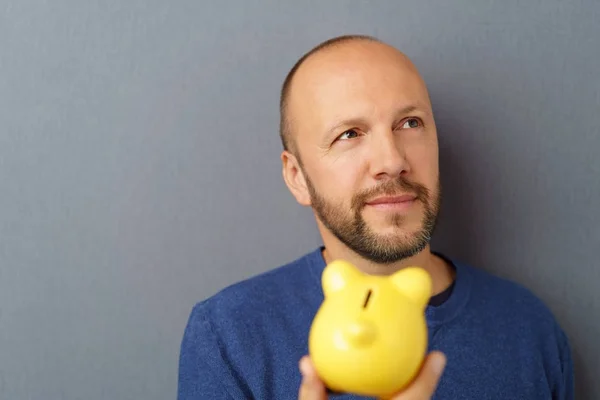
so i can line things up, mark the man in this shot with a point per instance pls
(361, 149)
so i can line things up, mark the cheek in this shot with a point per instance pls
(339, 181)
(424, 163)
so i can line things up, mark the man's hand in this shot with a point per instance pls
(421, 388)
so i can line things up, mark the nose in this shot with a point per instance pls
(360, 333)
(387, 158)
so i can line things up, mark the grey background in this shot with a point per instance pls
(140, 172)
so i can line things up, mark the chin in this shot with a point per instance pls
(399, 236)
(398, 225)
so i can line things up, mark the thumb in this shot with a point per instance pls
(424, 386)
(311, 388)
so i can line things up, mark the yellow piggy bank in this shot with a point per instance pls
(369, 336)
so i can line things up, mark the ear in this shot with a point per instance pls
(337, 275)
(415, 283)
(294, 178)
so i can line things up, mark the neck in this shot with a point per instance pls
(441, 273)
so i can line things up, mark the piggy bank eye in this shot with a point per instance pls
(367, 298)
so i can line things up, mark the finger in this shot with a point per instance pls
(426, 382)
(311, 388)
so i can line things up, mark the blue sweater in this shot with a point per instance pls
(500, 340)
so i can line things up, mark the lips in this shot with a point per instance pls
(392, 199)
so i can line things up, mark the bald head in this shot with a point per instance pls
(357, 125)
(335, 59)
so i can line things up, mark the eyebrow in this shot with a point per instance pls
(361, 121)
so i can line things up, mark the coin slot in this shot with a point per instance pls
(367, 298)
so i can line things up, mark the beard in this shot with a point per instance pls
(351, 228)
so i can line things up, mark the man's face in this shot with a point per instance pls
(367, 147)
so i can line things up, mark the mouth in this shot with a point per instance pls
(399, 202)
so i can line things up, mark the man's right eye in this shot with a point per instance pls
(349, 134)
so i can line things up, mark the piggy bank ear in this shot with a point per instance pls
(415, 283)
(337, 275)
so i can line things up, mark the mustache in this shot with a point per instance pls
(390, 188)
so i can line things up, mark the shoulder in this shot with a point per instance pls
(513, 307)
(282, 284)
(516, 313)
(493, 291)
(254, 303)
(228, 335)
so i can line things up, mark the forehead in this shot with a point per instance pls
(354, 80)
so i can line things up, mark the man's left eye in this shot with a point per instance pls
(411, 123)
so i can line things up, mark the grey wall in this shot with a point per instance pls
(139, 168)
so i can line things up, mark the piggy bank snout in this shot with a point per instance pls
(360, 333)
